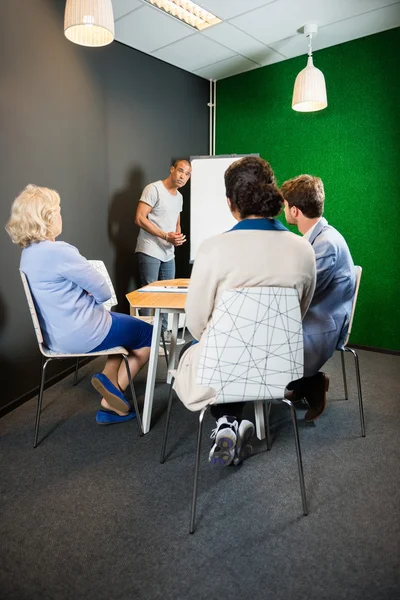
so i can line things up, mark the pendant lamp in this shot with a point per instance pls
(309, 94)
(89, 22)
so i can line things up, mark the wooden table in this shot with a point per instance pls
(160, 302)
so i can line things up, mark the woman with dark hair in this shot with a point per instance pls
(258, 251)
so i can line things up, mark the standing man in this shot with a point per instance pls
(158, 216)
(326, 322)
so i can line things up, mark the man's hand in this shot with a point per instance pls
(177, 239)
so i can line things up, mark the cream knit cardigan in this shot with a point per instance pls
(239, 258)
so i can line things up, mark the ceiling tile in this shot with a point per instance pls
(357, 27)
(262, 31)
(294, 46)
(269, 57)
(147, 29)
(234, 39)
(226, 68)
(343, 31)
(194, 52)
(226, 9)
(283, 19)
(243, 44)
(122, 7)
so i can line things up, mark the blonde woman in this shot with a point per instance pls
(69, 293)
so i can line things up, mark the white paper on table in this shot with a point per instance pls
(181, 289)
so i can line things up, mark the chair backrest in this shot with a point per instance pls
(102, 269)
(32, 310)
(358, 272)
(253, 345)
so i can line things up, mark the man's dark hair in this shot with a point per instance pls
(306, 193)
(178, 160)
(251, 188)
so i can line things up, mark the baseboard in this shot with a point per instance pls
(34, 391)
(373, 349)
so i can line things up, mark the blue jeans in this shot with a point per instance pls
(152, 269)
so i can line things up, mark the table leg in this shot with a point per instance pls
(173, 349)
(151, 373)
(259, 418)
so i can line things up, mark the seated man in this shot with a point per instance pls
(327, 320)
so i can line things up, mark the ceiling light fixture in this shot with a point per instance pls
(89, 22)
(309, 92)
(190, 13)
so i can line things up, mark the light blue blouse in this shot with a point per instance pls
(61, 280)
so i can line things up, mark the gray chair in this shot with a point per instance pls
(253, 348)
(347, 348)
(49, 355)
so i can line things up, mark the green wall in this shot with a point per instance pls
(353, 145)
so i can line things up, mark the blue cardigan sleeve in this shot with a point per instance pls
(74, 267)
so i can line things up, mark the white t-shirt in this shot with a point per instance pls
(164, 214)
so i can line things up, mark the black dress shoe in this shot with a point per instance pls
(295, 390)
(316, 396)
(294, 396)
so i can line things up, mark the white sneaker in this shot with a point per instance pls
(243, 449)
(223, 451)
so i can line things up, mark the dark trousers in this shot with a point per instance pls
(230, 409)
(302, 385)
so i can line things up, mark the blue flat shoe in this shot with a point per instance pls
(109, 417)
(110, 392)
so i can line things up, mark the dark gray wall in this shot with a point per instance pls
(97, 125)
(155, 113)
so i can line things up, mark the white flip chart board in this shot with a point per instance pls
(209, 212)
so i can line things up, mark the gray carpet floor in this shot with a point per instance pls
(92, 514)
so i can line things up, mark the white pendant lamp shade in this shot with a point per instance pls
(89, 22)
(309, 92)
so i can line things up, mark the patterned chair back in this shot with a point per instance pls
(254, 344)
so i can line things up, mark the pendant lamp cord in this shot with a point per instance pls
(309, 45)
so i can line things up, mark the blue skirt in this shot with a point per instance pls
(126, 331)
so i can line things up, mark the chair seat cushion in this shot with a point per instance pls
(53, 354)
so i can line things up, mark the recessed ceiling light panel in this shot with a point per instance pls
(190, 13)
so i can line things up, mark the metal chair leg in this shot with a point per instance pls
(184, 329)
(346, 394)
(298, 452)
(76, 372)
(165, 348)
(44, 364)
(196, 470)
(135, 403)
(360, 398)
(164, 443)
(267, 410)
